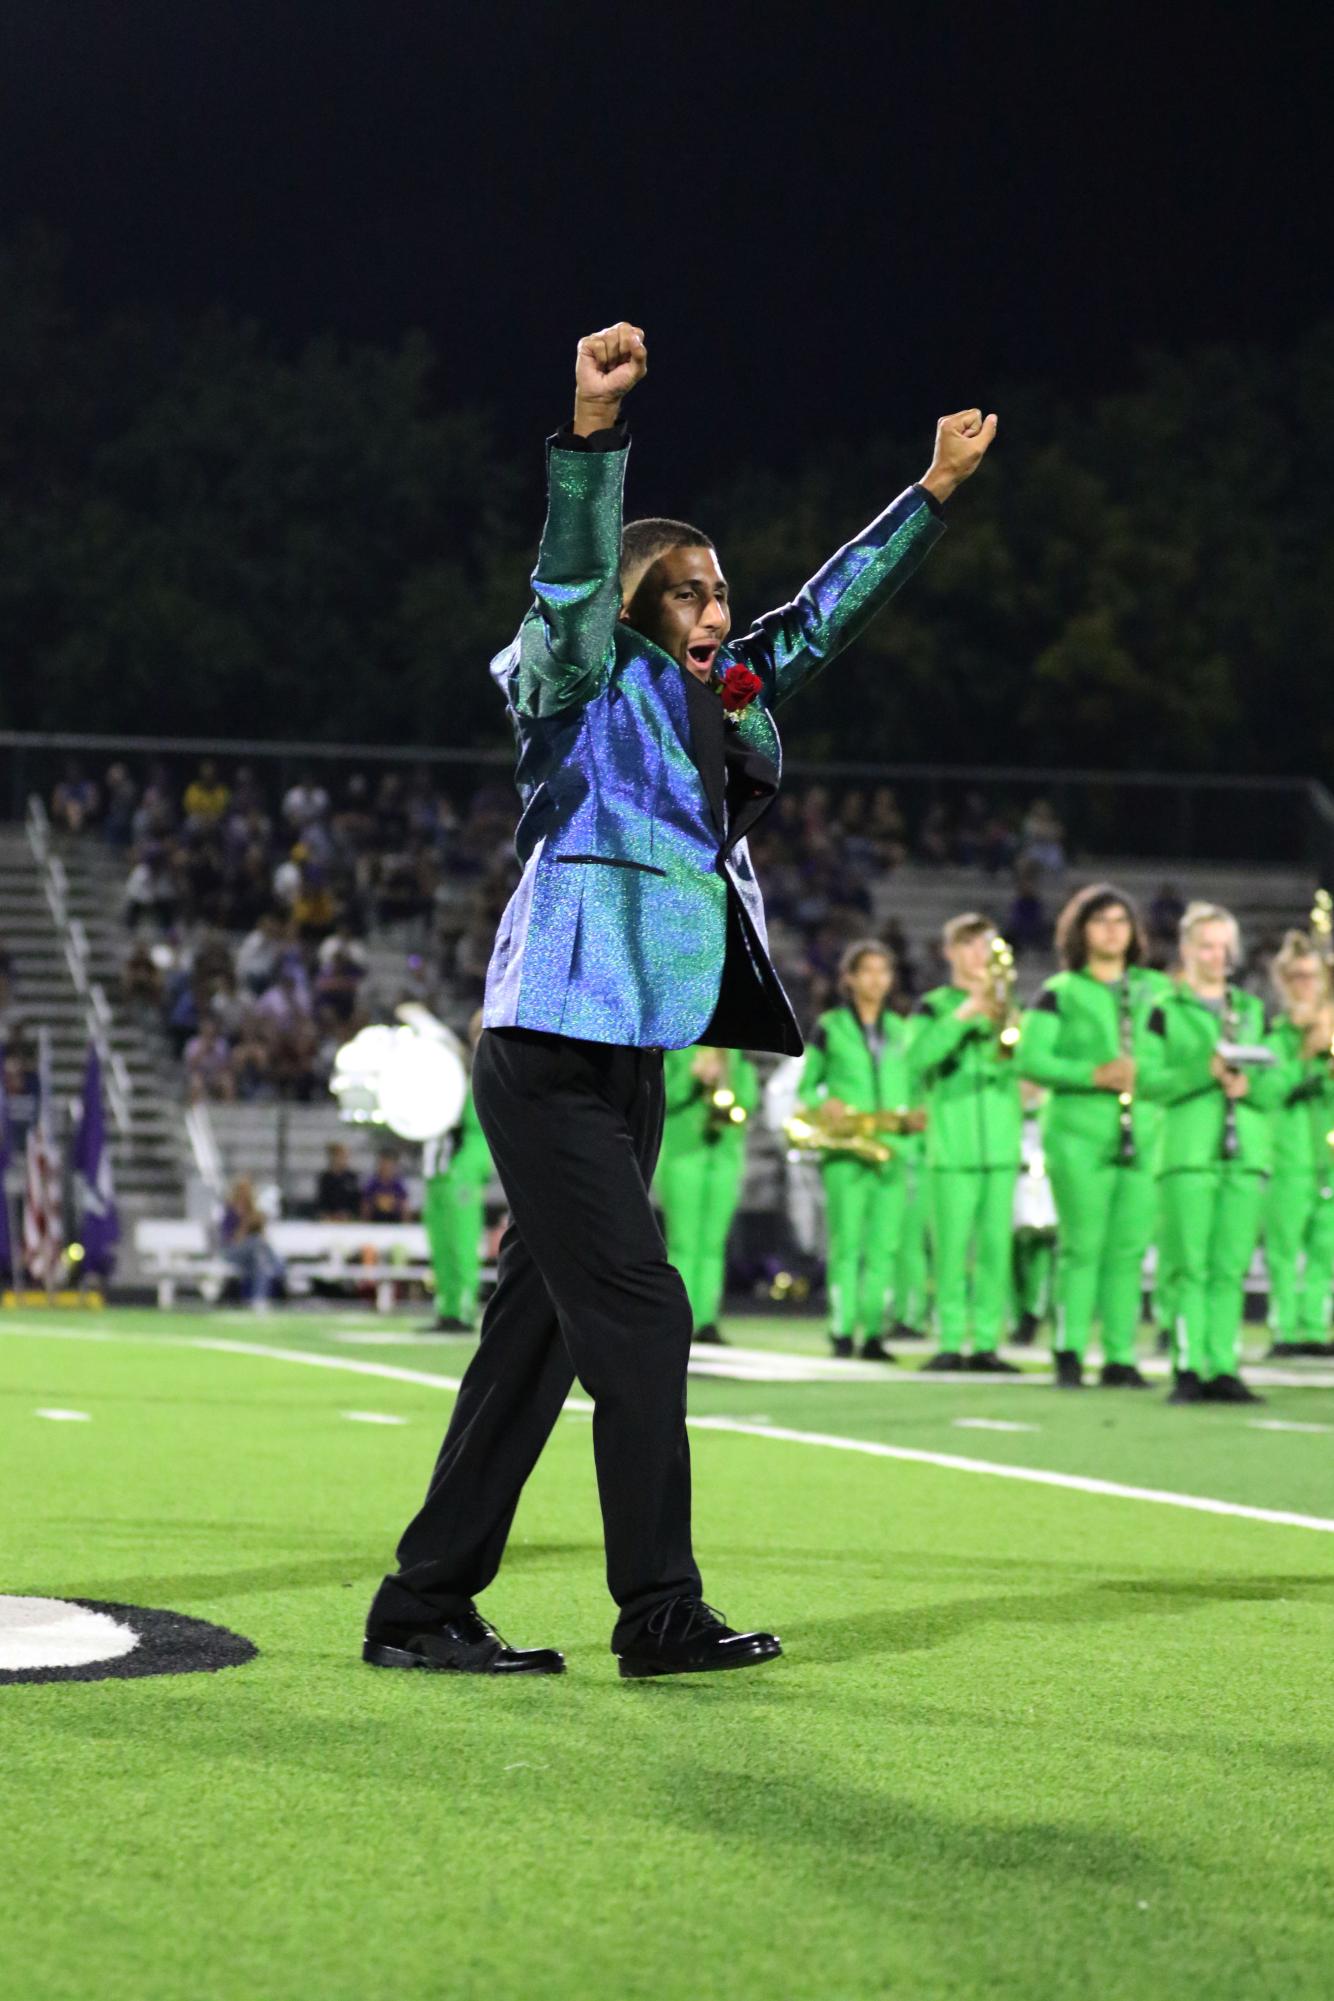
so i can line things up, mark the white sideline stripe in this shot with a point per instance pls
(1281, 1424)
(372, 1417)
(1077, 1483)
(66, 1416)
(991, 1424)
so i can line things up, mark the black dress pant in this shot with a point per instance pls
(583, 1290)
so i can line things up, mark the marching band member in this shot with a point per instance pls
(455, 1170)
(1087, 1038)
(709, 1095)
(1299, 1223)
(961, 1059)
(857, 1063)
(1219, 1082)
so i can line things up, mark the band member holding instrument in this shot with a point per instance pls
(709, 1095)
(962, 1059)
(455, 1170)
(1219, 1081)
(1086, 1038)
(1299, 1216)
(857, 1063)
(647, 751)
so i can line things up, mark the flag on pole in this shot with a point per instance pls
(94, 1195)
(43, 1232)
(6, 1148)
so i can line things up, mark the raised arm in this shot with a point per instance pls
(786, 647)
(565, 646)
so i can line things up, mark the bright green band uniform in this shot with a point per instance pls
(971, 1092)
(1106, 1206)
(700, 1171)
(453, 1210)
(1299, 1220)
(864, 1200)
(1212, 1206)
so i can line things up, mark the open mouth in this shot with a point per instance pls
(704, 654)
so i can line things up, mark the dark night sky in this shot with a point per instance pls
(852, 220)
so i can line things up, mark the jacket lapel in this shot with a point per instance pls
(705, 712)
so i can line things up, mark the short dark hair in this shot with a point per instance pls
(1072, 925)
(642, 542)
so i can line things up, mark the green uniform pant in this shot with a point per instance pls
(699, 1189)
(453, 1213)
(1164, 1278)
(910, 1297)
(1106, 1214)
(1211, 1218)
(972, 1215)
(863, 1214)
(1033, 1260)
(1299, 1251)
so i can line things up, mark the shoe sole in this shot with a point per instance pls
(376, 1654)
(640, 1668)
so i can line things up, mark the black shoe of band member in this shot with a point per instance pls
(1069, 1369)
(986, 1362)
(1186, 1387)
(1287, 1351)
(448, 1323)
(1026, 1333)
(1122, 1376)
(1228, 1389)
(465, 1644)
(1162, 1341)
(686, 1636)
(874, 1350)
(842, 1346)
(903, 1332)
(946, 1363)
(710, 1336)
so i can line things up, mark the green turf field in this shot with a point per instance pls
(1027, 1740)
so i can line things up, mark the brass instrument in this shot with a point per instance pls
(853, 1133)
(1125, 1099)
(1231, 1024)
(1001, 978)
(723, 1112)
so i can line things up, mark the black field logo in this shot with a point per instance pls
(87, 1639)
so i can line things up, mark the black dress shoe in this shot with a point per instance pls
(686, 1636)
(1122, 1376)
(1228, 1389)
(709, 1337)
(842, 1346)
(462, 1645)
(946, 1363)
(1026, 1332)
(875, 1350)
(1069, 1369)
(1186, 1387)
(1284, 1351)
(903, 1332)
(986, 1362)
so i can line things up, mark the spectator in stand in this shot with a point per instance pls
(1027, 926)
(384, 1198)
(341, 967)
(998, 844)
(141, 979)
(970, 835)
(287, 876)
(285, 1002)
(1043, 838)
(933, 839)
(246, 1248)
(250, 889)
(122, 797)
(354, 823)
(304, 802)
(338, 1192)
(6, 977)
(887, 828)
(22, 1091)
(206, 799)
(150, 894)
(314, 910)
(260, 953)
(155, 815)
(1164, 920)
(208, 1065)
(74, 800)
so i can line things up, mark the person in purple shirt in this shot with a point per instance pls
(384, 1197)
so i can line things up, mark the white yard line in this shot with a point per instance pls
(1281, 1424)
(66, 1416)
(947, 1461)
(372, 1417)
(991, 1424)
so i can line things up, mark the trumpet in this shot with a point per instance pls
(854, 1133)
(1001, 977)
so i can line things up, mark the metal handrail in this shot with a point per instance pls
(73, 937)
(204, 1148)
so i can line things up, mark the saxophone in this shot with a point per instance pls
(1001, 978)
(1231, 1026)
(1125, 1099)
(723, 1113)
(854, 1133)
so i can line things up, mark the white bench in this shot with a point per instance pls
(175, 1252)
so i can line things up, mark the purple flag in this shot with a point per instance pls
(99, 1225)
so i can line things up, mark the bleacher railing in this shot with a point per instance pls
(78, 957)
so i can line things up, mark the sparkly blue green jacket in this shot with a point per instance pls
(617, 931)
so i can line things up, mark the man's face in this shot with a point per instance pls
(1207, 953)
(681, 603)
(1108, 932)
(969, 958)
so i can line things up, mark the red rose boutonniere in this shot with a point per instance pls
(737, 688)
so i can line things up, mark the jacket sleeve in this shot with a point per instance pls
(786, 647)
(1170, 1076)
(1274, 1087)
(566, 644)
(1038, 1057)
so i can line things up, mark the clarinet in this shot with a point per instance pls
(1231, 1027)
(1126, 1155)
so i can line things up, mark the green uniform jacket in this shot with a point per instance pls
(1305, 1118)
(1193, 1128)
(970, 1089)
(1074, 1025)
(840, 1064)
(685, 1128)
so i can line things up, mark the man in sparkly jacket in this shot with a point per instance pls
(646, 752)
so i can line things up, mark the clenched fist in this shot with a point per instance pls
(962, 442)
(607, 366)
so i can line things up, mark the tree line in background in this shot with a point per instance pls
(200, 534)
